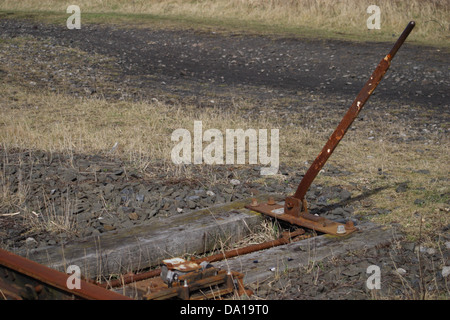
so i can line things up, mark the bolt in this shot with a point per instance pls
(254, 202)
(341, 229)
(271, 201)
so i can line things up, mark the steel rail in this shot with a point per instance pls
(55, 279)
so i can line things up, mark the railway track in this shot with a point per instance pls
(223, 275)
(21, 278)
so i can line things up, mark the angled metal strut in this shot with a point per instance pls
(295, 209)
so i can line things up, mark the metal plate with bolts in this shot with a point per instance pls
(304, 219)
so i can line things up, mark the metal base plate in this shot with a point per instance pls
(276, 211)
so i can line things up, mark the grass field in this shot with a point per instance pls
(345, 19)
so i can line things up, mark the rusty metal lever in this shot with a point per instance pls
(350, 116)
(295, 209)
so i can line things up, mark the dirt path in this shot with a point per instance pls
(186, 63)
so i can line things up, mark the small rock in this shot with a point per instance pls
(219, 199)
(235, 182)
(133, 216)
(179, 210)
(352, 271)
(445, 271)
(345, 195)
(409, 246)
(400, 271)
(210, 193)
(191, 204)
(338, 211)
(31, 242)
(423, 249)
(402, 187)
(69, 177)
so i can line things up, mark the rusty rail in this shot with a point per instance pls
(285, 238)
(21, 278)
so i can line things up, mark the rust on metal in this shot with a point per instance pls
(181, 264)
(294, 210)
(304, 219)
(200, 281)
(350, 116)
(25, 279)
(285, 238)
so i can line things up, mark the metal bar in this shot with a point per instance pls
(304, 219)
(129, 278)
(285, 239)
(402, 38)
(55, 278)
(350, 116)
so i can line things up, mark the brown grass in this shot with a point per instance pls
(317, 18)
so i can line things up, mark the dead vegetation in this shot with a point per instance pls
(342, 19)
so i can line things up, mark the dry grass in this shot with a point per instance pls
(142, 130)
(317, 18)
(62, 123)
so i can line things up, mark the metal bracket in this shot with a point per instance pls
(291, 211)
(193, 281)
